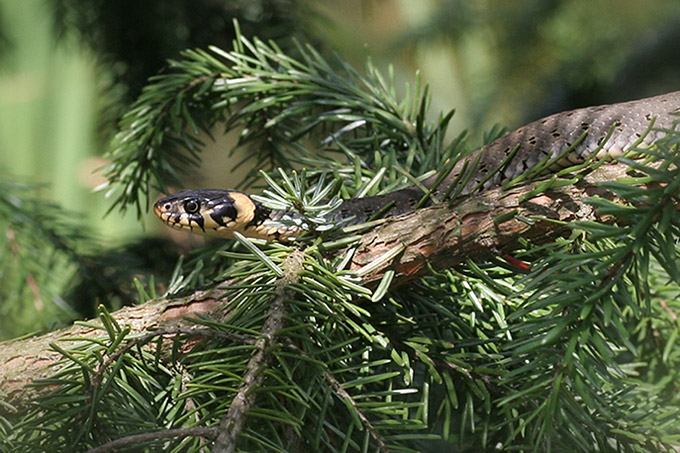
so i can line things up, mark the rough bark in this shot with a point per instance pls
(27, 360)
(478, 227)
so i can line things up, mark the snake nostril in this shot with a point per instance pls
(167, 206)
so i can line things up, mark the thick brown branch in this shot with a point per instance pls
(28, 360)
(479, 227)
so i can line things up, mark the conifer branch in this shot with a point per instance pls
(343, 395)
(441, 236)
(481, 226)
(232, 424)
(27, 361)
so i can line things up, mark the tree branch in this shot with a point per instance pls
(135, 439)
(233, 423)
(28, 360)
(478, 227)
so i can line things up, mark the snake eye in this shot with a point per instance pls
(191, 206)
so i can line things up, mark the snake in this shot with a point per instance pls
(556, 142)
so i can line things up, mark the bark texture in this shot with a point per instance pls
(480, 226)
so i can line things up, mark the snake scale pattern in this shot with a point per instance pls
(561, 140)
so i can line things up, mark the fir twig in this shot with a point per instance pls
(277, 101)
(232, 424)
(137, 439)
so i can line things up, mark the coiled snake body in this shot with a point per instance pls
(562, 140)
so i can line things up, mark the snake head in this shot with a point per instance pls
(212, 212)
(215, 212)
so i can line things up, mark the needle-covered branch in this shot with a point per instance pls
(478, 228)
(27, 361)
(328, 341)
(346, 356)
(275, 101)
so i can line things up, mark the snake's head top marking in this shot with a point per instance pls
(212, 212)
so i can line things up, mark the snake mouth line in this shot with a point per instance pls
(158, 212)
(179, 221)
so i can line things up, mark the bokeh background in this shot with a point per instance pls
(69, 68)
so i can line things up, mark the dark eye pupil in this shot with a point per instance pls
(191, 206)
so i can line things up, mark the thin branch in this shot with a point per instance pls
(135, 439)
(145, 338)
(669, 310)
(232, 424)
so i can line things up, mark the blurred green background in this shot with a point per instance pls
(68, 68)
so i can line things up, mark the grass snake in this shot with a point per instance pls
(555, 142)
